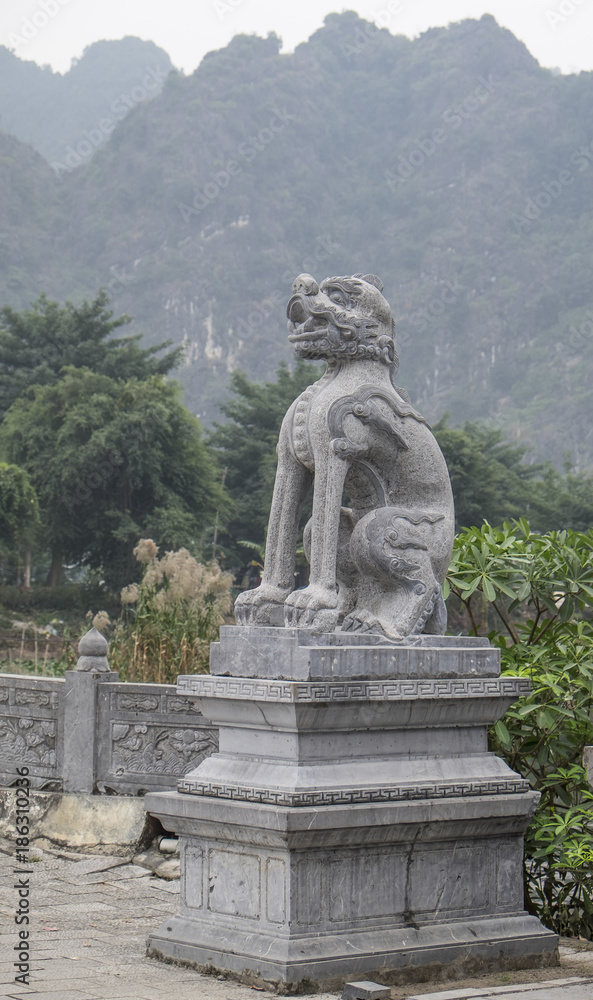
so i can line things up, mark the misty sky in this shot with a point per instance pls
(559, 33)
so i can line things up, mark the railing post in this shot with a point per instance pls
(80, 711)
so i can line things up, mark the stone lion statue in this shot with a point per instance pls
(377, 564)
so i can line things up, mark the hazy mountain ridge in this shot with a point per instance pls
(420, 160)
(57, 112)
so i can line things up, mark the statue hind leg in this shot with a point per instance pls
(396, 551)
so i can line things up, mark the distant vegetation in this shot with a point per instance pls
(56, 113)
(452, 165)
(489, 477)
(103, 451)
(97, 450)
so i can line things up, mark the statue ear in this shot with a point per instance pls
(372, 279)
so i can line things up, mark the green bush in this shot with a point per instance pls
(540, 590)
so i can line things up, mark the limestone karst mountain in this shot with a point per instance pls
(453, 165)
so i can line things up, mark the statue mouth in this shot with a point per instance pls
(303, 323)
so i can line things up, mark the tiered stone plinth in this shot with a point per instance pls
(353, 821)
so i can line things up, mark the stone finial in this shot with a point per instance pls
(92, 650)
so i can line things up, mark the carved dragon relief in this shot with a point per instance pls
(377, 564)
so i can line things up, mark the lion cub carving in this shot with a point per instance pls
(377, 565)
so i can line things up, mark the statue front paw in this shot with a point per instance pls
(260, 607)
(314, 607)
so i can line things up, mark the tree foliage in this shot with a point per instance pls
(36, 344)
(489, 478)
(19, 508)
(246, 446)
(540, 588)
(112, 461)
(492, 482)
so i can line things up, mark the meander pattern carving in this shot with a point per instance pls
(352, 796)
(337, 691)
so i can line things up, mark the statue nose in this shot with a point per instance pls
(305, 283)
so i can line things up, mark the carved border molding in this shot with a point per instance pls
(252, 689)
(346, 796)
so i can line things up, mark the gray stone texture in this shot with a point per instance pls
(31, 734)
(77, 821)
(89, 732)
(92, 915)
(80, 735)
(92, 652)
(588, 763)
(349, 827)
(301, 654)
(147, 736)
(378, 565)
(365, 990)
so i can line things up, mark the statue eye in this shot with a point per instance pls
(338, 297)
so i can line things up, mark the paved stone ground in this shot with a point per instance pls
(91, 916)
(558, 989)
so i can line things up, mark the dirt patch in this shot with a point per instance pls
(576, 959)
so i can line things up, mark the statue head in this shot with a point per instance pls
(342, 318)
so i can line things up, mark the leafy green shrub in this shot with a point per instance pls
(41, 668)
(540, 590)
(172, 616)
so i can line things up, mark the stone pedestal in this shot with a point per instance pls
(353, 822)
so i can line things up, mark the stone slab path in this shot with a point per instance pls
(91, 915)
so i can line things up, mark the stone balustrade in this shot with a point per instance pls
(89, 732)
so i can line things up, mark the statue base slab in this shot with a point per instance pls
(350, 827)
